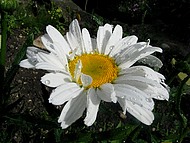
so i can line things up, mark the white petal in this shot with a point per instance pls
(94, 44)
(60, 54)
(87, 40)
(160, 76)
(49, 67)
(149, 86)
(54, 34)
(47, 42)
(128, 51)
(77, 72)
(51, 59)
(55, 79)
(26, 64)
(157, 92)
(32, 55)
(33, 51)
(74, 28)
(75, 46)
(64, 93)
(115, 37)
(142, 71)
(86, 80)
(125, 79)
(73, 54)
(100, 38)
(128, 59)
(72, 41)
(55, 49)
(103, 35)
(134, 95)
(93, 102)
(122, 102)
(142, 114)
(106, 93)
(57, 37)
(73, 110)
(151, 61)
(122, 44)
(108, 27)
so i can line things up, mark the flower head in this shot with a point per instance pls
(85, 71)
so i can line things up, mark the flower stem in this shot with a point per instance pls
(3, 38)
(182, 117)
(3, 51)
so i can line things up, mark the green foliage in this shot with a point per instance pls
(8, 5)
(98, 19)
(35, 17)
(134, 8)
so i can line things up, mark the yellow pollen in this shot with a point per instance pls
(101, 68)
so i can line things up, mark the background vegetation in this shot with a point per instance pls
(26, 115)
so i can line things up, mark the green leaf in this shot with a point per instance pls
(0, 41)
(154, 139)
(15, 65)
(116, 134)
(116, 141)
(182, 76)
(58, 134)
(167, 141)
(21, 54)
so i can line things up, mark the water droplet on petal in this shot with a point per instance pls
(33, 60)
(133, 103)
(126, 43)
(111, 47)
(129, 43)
(35, 52)
(47, 82)
(123, 43)
(52, 46)
(159, 97)
(149, 100)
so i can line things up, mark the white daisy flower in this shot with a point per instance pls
(85, 71)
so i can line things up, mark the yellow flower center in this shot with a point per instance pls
(101, 68)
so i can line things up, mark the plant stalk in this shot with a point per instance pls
(4, 16)
(3, 43)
